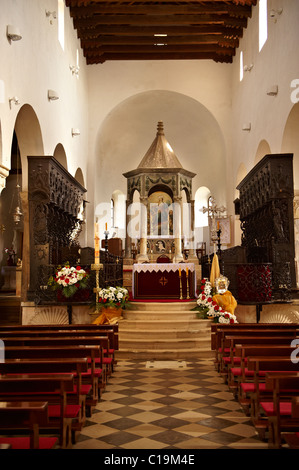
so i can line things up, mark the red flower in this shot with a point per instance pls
(78, 268)
(216, 308)
(203, 297)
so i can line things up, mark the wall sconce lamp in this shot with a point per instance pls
(248, 68)
(75, 70)
(273, 90)
(274, 14)
(75, 132)
(52, 95)
(246, 127)
(52, 14)
(14, 100)
(13, 33)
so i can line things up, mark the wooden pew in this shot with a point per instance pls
(218, 328)
(108, 351)
(261, 365)
(292, 439)
(245, 376)
(29, 415)
(76, 366)
(266, 338)
(65, 327)
(279, 410)
(92, 352)
(102, 341)
(50, 388)
(224, 337)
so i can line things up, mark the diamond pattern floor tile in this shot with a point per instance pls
(167, 408)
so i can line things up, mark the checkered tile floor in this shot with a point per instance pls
(183, 407)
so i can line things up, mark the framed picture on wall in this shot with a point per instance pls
(224, 226)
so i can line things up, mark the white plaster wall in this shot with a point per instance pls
(276, 64)
(33, 65)
(192, 98)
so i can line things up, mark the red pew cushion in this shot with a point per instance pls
(285, 408)
(71, 411)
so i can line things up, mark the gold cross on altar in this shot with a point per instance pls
(163, 281)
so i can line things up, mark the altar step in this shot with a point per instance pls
(163, 331)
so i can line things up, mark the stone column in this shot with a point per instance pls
(192, 254)
(177, 222)
(4, 172)
(142, 256)
(128, 243)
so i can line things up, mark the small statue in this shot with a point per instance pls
(224, 297)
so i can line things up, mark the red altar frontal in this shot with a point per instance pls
(164, 281)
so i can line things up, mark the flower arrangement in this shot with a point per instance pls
(11, 256)
(113, 297)
(69, 279)
(208, 308)
(10, 251)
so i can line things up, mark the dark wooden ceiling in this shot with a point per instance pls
(159, 30)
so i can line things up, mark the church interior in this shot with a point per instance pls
(149, 225)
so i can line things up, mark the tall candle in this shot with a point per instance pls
(96, 245)
(187, 271)
(218, 225)
(180, 272)
(106, 226)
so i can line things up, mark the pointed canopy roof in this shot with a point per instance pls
(160, 153)
(160, 158)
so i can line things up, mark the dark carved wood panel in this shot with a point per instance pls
(55, 202)
(267, 220)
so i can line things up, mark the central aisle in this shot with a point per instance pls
(183, 405)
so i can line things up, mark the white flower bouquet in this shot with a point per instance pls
(113, 297)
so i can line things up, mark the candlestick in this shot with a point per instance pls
(181, 290)
(97, 267)
(96, 245)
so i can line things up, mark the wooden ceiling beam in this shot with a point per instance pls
(170, 40)
(160, 9)
(156, 56)
(84, 3)
(158, 49)
(159, 21)
(151, 30)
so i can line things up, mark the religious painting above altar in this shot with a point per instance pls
(160, 214)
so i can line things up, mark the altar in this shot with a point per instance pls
(164, 281)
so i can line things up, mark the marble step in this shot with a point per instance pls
(163, 333)
(161, 306)
(165, 354)
(159, 315)
(165, 324)
(163, 343)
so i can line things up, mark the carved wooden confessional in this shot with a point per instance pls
(55, 207)
(267, 220)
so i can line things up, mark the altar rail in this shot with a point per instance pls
(110, 275)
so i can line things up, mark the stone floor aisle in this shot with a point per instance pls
(172, 405)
